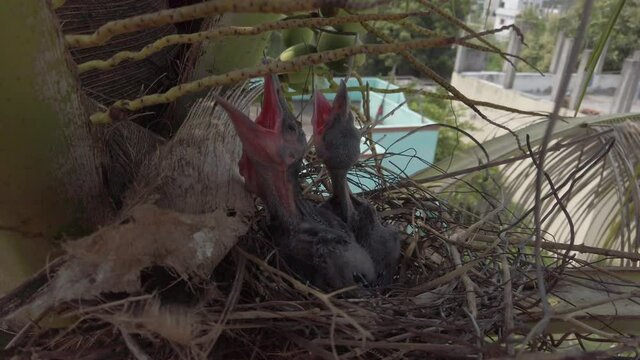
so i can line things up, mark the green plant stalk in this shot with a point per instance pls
(203, 10)
(597, 52)
(219, 55)
(40, 113)
(235, 52)
(241, 26)
(279, 67)
(274, 67)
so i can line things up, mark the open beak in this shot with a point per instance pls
(261, 139)
(341, 102)
(321, 114)
(325, 113)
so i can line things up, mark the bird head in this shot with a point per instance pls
(272, 143)
(336, 138)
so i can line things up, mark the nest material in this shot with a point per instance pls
(142, 288)
(461, 290)
(445, 302)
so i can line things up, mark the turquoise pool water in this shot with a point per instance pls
(406, 141)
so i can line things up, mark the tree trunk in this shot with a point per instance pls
(51, 183)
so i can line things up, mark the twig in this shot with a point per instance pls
(306, 289)
(202, 10)
(133, 346)
(232, 300)
(507, 303)
(565, 314)
(26, 328)
(428, 72)
(563, 208)
(548, 245)
(233, 31)
(29, 289)
(466, 267)
(468, 283)
(457, 22)
(451, 350)
(562, 88)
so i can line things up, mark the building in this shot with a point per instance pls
(506, 11)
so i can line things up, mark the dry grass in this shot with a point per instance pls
(448, 300)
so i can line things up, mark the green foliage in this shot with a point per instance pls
(442, 111)
(494, 62)
(439, 59)
(541, 34)
(469, 197)
(625, 34)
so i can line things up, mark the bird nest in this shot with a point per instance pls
(450, 298)
(463, 288)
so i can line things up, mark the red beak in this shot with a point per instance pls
(260, 139)
(325, 113)
(321, 113)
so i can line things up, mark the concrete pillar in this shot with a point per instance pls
(509, 70)
(626, 93)
(600, 64)
(461, 57)
(603, 55)
(562, 61)
(557, 52)
(581, 79)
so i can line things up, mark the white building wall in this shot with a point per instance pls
(507, 10)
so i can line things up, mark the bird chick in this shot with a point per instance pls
(337, 143)
(314, 242)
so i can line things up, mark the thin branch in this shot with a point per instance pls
(274, 67)
(326, 299)
(467, 282)
(562, 88)
(554, 191)
(202, 10)
(507, 303)
(454, 20)
(428, 72)
(451, 97)
(233, 31)
(548, 245)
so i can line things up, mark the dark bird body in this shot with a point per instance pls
(337, 143)
(315, 243)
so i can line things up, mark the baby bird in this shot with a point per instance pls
(314, 242)
(337, 143)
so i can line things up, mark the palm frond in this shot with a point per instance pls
(592, 167)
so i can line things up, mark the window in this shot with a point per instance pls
(501, 5)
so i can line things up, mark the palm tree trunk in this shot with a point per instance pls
(49, 162)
